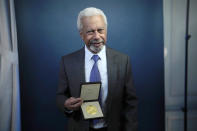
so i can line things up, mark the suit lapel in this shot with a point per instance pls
(110, 71)
(81, 65)
(78, 72)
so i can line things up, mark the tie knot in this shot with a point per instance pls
(95, 58)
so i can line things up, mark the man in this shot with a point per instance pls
(119, 100)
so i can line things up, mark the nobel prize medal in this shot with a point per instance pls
(91, 109)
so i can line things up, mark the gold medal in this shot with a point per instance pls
(91, 109)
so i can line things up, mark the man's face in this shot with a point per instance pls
(94, 32)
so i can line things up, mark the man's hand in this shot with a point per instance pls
(73, 103)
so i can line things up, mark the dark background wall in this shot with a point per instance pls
(47, 30)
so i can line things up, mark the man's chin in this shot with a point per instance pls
(96, 49)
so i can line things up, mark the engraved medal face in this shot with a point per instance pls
(91, 109)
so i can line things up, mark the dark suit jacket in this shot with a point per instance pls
(121, 109)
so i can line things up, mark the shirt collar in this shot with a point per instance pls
(89, 54)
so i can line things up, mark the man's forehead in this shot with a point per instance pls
(93, 22)
(92, 19)
(92, 16)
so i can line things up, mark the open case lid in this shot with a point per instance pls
(90, 91)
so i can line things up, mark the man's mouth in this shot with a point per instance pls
(97, 44)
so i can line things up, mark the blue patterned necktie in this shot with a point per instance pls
(95, 74)
(96, 77)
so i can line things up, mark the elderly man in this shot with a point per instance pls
(113, 70)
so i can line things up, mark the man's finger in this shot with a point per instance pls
(76, 106)
(75, 101)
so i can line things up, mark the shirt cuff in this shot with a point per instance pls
(67, 111)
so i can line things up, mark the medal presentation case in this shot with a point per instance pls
(91, 108)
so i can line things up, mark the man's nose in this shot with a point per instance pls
(96, 35)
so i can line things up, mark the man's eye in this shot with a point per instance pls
(100, 30)
(89, 32)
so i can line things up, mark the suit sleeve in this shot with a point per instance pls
(130, 102)
(62, 93)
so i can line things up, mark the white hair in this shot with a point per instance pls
(90, 11)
